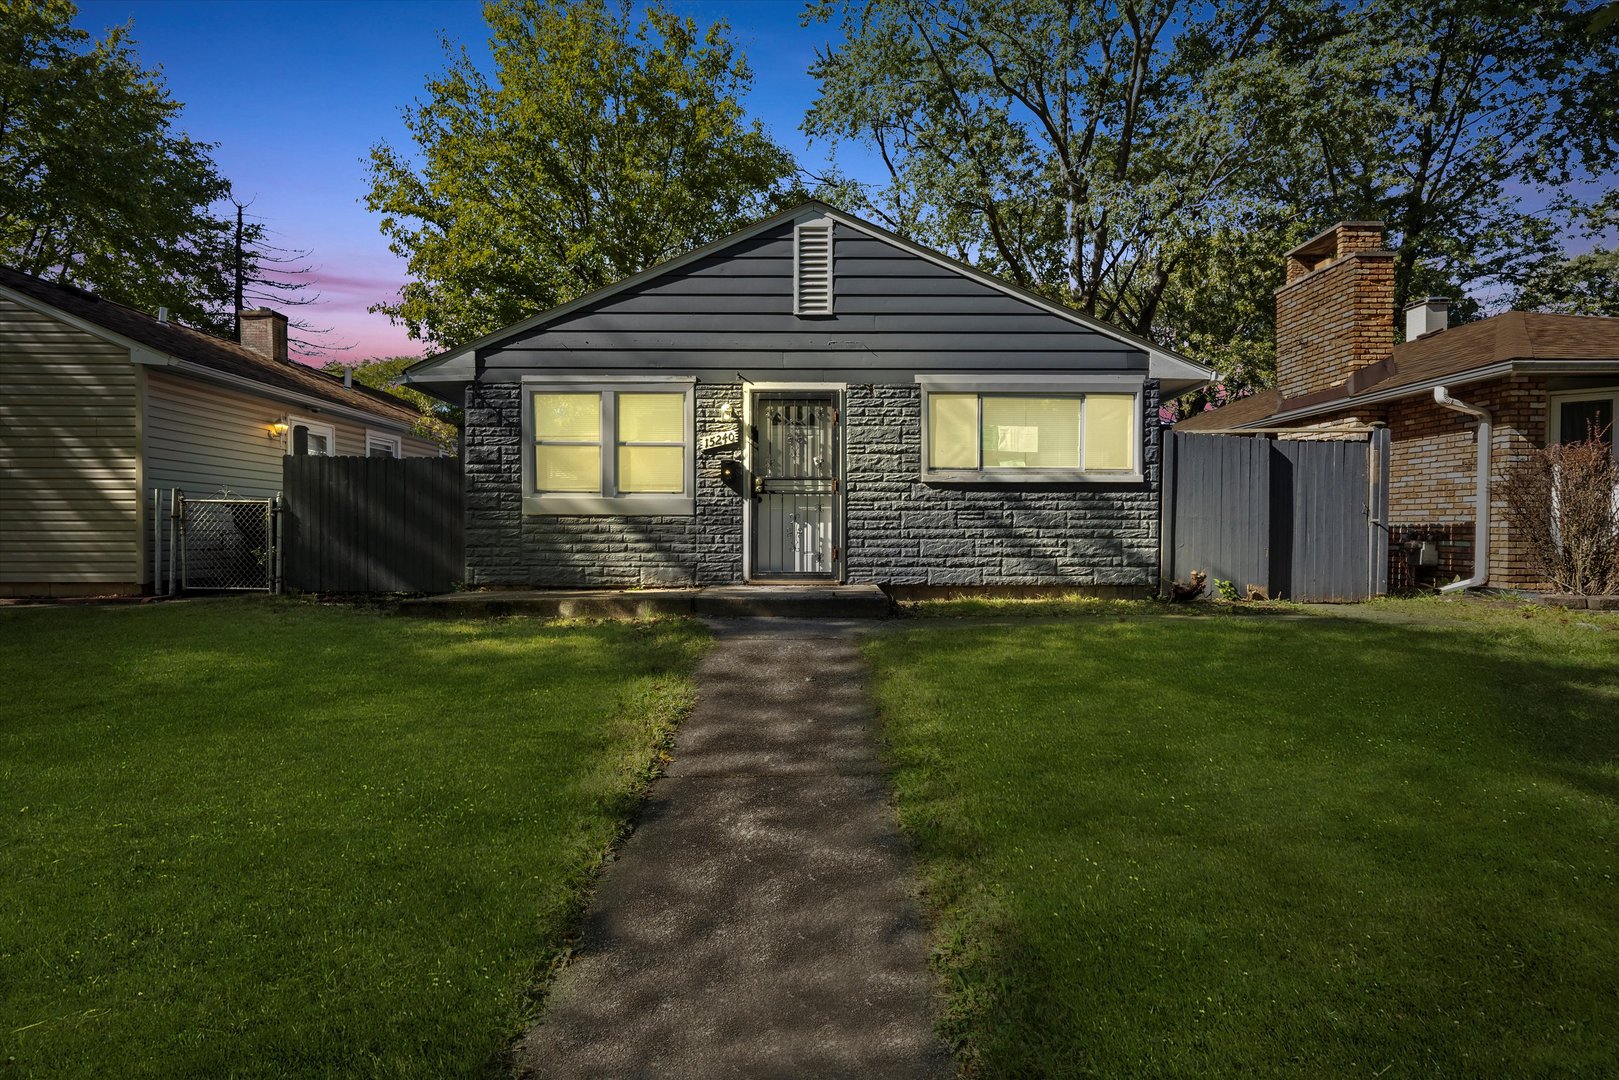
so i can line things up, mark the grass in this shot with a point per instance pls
(1157, 843)
(270, 839)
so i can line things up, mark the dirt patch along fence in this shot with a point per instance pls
(372, 525)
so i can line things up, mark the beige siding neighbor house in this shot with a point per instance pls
(101, 404)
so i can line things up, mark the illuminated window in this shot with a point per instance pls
(996, 435)
(602, 449)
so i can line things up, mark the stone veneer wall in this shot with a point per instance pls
(506, 547)
(903, 532)
(898, 531)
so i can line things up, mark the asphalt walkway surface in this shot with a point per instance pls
(760, 921)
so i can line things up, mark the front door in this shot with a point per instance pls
(795, 486)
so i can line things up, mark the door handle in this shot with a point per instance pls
(758, 485)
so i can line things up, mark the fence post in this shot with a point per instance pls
(1378, 451)
(276, 518)
(1166, 511)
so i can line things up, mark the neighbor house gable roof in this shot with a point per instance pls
(194, 349)
(1514, 341)
(458, 364)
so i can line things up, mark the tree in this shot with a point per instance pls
(1582, 284)
(1149, 161)
(439, 421)
(99, 188)
(1491, 106)
(595, 149)
(1087, 150)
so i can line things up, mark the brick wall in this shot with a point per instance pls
(898, 531)
(903, 532)
(1434, 459)
(1433, 464)
(1336, 312)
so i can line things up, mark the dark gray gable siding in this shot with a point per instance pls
(895, 314)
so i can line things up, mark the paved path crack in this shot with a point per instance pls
(760, 921)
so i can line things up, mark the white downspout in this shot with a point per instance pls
(1481, 520)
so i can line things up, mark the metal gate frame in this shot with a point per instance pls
(835, 393)
(1374, 499)
(246, 562)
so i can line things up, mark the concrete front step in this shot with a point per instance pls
(726, 601)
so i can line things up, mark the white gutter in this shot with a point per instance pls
(1481, 519)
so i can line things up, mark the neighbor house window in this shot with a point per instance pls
(379, 445)
(1008, 433)
(1580, 415)
(305, 437)
(608, 448)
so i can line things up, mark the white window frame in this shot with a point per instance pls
(1032, 386)
(1556, 401)
(315, 428)
(392, 442)
(608, 501)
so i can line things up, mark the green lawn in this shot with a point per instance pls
(1163, 844)
(271, 839)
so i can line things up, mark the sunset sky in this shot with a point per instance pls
(296, 93)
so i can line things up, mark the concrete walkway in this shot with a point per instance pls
(759, 922)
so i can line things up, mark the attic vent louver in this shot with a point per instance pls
(812, 268)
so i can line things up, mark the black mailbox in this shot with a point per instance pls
(731, 474)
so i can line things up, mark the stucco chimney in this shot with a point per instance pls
(264, 331)
(1335, 315)
(1427, 316)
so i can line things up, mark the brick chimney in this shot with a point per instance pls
(264, 331)
(1335, 315)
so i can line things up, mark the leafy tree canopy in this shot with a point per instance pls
(439, 422)
(596, 147)
(1583, 284)
(99, 187)
(1149, 161)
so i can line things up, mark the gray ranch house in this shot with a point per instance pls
(814, 400)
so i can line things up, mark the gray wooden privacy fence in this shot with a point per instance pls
(1300, 520)
(371, 525)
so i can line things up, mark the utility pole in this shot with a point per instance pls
(236, 312)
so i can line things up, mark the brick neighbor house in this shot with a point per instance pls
(1530, 378)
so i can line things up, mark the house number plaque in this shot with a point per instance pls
(726, 438)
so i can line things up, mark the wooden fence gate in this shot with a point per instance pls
(1302, 520)
(371, 525)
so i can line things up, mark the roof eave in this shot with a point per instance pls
(1425, 386)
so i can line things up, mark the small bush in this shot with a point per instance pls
(1564, 502)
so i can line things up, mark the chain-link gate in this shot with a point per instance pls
(227, 545)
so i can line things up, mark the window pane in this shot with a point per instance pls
(651, 468)
(1110, 431)
(319, 444)
(652, 418)
(1581, 420)
(567, 416)
(953, 431)
(1031, 433)
(567, 468)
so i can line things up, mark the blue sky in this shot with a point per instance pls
(296, 93)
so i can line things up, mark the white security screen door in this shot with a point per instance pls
(795, 486)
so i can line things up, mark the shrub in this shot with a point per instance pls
(1564, 502)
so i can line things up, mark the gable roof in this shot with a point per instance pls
(458, 364)
(204, 350)
(1514, 341)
